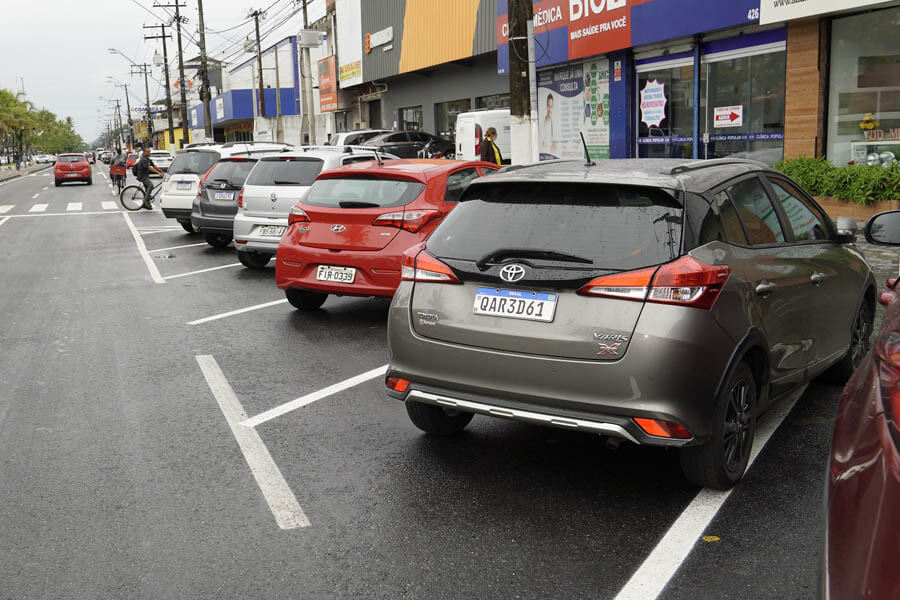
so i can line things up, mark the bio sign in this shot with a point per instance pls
(566, 30)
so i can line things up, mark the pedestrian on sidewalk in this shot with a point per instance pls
(489, 150)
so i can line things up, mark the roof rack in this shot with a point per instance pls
(715, 162)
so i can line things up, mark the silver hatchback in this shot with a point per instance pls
(661, 302)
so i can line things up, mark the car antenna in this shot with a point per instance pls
(378, 158)
(587, 155)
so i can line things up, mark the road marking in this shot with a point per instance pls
(313, 397)
(108, 205)
(38, 208)
(658, 568)
(65, 214)
(176, 247)
(271, 482)
(237, 312)
(151, 266)
(4, 220)
(36, 195)
(6, 208)
(73, 206)
(46, 188)
(202, 271)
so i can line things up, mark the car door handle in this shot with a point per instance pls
(764, 288)
(818, 278)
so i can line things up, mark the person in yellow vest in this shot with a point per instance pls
(489, 150)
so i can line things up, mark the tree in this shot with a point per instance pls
(24, 129)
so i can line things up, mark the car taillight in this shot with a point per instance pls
(297, 215)
(410, 220)
(684, 282)
(887, 367)
(661, 428)
(398, 384)
(418, 265)
(241, 198)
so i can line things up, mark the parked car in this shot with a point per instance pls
(470, 130)
(180, 185)
(405, 144)
(274, 185)
(72, 167)
(354, 138)
(44, 159)
(162, 159)
(439, 148)
(862, 495)
(131, 159)
(661, 302)
(348, 234)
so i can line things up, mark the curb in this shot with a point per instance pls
(17, 174)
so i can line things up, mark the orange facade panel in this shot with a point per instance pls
(437, 32)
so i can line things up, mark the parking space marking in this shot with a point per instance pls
(36, 195)
(282, 502)
(64, 214)
(46, 188)
(142, 249)
(308, 399)
(202, 271)
(4, 220)
(675, 546)
(108, 205)
(38, 207)
(176, 247)
(6, 208)
(237, 312)
(73, 206)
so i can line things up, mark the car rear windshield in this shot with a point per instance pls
(286, 171)
(70, 159)
(363, 192)
(615, 227)
(197, 163)
(231, 172)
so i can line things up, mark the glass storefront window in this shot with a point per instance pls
(864, 94)
(666, 129)
(411, 118)
(493, 101)
(445, 117)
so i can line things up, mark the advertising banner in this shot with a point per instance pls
(776, 11)
(349, 41)
(566, 30)
(574, 100)
(328, 100)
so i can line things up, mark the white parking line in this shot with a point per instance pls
(202, 271)
(237, 312)
(176, 247)
(64, 214)
(108, 205)
(658, 568)
(142, 249)
(73, 206)
(6, 208)
(282, 502)
(4, 220)
(36, 195)
(38, 208)
(46, 188)
(313, 397)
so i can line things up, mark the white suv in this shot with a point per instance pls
(179, 186)
(162, 159)
(272, 188)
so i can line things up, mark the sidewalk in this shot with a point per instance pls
(7, 174)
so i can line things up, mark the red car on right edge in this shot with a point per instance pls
(862, 497)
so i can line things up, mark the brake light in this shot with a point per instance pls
(410, 220)
(297, 215)
(418, 265)
(397, 384)
(241, 198)
(661, 428)
(684, 282)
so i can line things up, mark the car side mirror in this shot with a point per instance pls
(884, 229)
(846, 230)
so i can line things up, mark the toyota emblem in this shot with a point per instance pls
(512, 273)
(273, 197)
(338, 228)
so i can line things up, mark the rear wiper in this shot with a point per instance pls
(282, 182)
(226, 181)
(357, 204)
(482, 263)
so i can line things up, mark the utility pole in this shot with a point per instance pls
(119, 116)
(128, 108)
(178, 21)
(145, 69)
(309, 111)
(205, 95)
(520, 12)
(262, 99)
(163, 37)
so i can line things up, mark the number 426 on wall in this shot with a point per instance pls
(753, 14)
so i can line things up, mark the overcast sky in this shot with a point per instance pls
(60, 48)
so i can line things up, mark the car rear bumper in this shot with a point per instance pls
(246, 238)
(176, 202)
(181, 214)
(207, 224)
(377, 273)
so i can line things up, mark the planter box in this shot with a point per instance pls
(855, 211)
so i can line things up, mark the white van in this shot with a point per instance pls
(470, 128)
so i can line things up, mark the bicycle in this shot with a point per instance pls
(117, 176)
(132, 197)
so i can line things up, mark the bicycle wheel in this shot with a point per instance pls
(132, 197)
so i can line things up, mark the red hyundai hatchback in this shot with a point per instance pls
(72, 167)
(348, 235)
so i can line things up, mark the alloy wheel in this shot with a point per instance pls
(737, 431)
(859, 345)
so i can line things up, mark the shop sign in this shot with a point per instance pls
(574, 101)
(328, 100)
(653, 103)
(220, 108)
(776, 11)
(379, 38)
(351, 70)
(566, 30)
(728, 116)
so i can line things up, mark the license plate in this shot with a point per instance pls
(271, 230)
(339, 274)
(515, 304)
(183, 185)
(71, 174)
(224, 196)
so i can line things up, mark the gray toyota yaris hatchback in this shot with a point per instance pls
(663, 302)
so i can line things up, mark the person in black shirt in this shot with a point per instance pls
(143, 168)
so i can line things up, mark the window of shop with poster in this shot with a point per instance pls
(864, 91)
(666, 108)
(411, 118)
(445, 116)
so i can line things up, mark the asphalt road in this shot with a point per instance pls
(123, 474)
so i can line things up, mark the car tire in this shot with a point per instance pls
(860, 344)
(90, 181)
(217, 240)
(188, 227)
(57, 183)
(721, 462)
(254, 260)
(436, 420)
(303, 300)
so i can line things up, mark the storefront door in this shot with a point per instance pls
(666, 108)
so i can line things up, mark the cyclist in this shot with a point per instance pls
(142, 169)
